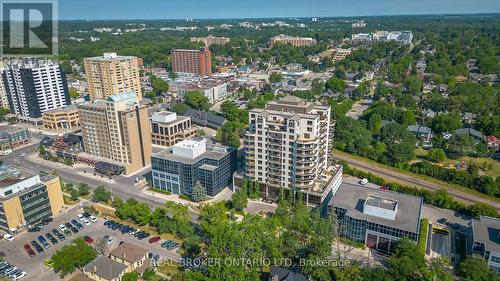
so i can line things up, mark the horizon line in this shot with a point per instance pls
(289, 17)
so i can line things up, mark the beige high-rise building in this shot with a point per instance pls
(286, 147)
(211, 40)
(112, 74)
(118, 129)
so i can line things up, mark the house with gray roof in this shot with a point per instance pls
(424, 134)
(478, 136)
(104, 269)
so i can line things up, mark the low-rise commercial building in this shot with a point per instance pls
(27, 198)
(376, 218)
(292, 40)
(211, 40)
(215, 90)
(15, 136)
(486, 237)
(167, 128)
(61, 119)
(179, 168)
(402, 37)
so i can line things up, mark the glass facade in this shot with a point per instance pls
(180, 178)
(35, 204)
(376, 236)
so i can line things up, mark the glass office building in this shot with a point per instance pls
(374, 217)
(179, 168)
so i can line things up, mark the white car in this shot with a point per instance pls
(62, 227)
(19, 276)
(80, 216)
(8, 237)
(363, 181)
(110, 239)
(85, 221)
(93, 219)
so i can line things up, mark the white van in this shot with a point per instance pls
(8, 237)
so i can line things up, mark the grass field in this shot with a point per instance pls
(488, 166)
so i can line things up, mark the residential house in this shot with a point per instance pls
(478, 136)
(133, 257)
(424, 134)
(283, 274)
(493, 143)
(104, 269)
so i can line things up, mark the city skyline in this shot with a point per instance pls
(224, 9)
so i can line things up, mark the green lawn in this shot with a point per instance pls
(489, 166)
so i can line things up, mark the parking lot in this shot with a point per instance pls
(16, 255)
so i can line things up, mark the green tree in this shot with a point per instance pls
(83, 189)
(275, 77)
(101, 194)
(77, 254)
(436, 155)
(352, 136)
(197, 100)
(130, 276)
(73, 194)
(480, 209)
(73, 93)
(159, 85)
(375, 123)
(192, 246)
(149, 275)
(407, 118)
(199, 192)
(447, 122)
(180, 108)
(335, 84)
(475, 269)
(239, 200)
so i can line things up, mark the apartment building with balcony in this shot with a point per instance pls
(197, 62)
(286, 149)
(27, 198)
(117, 129)
(167, 128)
(486, 240)
(292, 40)
(61, 119)
(111, 74)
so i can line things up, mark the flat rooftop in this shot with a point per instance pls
(381, 202)
(213, 151)
(352, 197)
(487, 231)
(68, 108)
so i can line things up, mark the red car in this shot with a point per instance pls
(29, 251)
(88, 239)
(154, 239)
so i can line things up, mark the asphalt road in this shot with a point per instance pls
(121, 186)
(413, 181)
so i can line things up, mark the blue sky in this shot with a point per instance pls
(202, 9)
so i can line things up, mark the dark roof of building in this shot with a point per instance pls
(129, 252)
(352, 198)
(105, 268)
(486, 230)
(470, 132)
(284, 274)
(204, 118)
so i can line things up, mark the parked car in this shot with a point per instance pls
(166, 243)
(48, 262)
(8, 237)
(442, 221)
(85, 221)
(68, 232)
(93, 219)
(37, 246)
(154, 239)
(43, 241)
(58, 234)
(363, 181)
(29, 251)
(88, 239)
(62, 227)
(19, 275)
(51, 238)
(173, 246)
